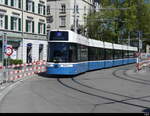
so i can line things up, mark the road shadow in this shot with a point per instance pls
(44, 75)
(146, 110)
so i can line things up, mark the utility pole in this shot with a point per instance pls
(140, 41)
(129, 38)
(22, 30)
(4, 59)
(75, 16)
(4, 45)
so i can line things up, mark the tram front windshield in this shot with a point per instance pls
(62, 52)
(58, 52)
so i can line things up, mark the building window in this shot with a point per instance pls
(63, 8)
(49, 19)
(30, 6)
(77, 9)
(84, 10)
(16, 3)
(62, 21)
(41, 9)
(48, 10)
(29, 26)
(42, 28)
(1, 1)
(2, 22)
(15, 24)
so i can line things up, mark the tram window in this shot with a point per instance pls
(73, 53)
(83, 53)
(118, 54)
(131, 54)
(57, 35)
(122, 54)
(78, 53)
(126, 54)
(97, 55)
(115, 54)
(101, 56)
(108, 54)
(91, 54)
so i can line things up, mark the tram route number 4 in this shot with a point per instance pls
(9, 51)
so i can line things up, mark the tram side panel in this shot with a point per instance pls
(94, 65)
(67, 69)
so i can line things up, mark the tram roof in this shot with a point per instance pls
(118, 47)
(108, 45)
(77, 38)
(96, 43)
(132, 48)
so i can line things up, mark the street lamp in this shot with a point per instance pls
(75, 16)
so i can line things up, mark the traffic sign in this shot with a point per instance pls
(9, 51)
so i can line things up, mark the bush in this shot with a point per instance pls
(11, 61)
(17, 61)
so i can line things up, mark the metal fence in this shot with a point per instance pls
(15, 72)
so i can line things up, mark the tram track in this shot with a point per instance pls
(91, 91)
(127, 75)
(113, 93)
(112, 101)
(129, 78)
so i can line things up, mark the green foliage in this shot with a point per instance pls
(111, 24)
(11, 61)
(15, 62)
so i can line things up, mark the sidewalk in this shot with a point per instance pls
(3, 84)
(1, 76)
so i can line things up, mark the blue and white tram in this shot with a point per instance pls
(71, 54)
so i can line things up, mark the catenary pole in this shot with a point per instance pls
(75, 16)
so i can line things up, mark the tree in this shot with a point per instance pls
(113, 22)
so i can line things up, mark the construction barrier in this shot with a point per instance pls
(143, 61)
(142, 65)
(15, 72)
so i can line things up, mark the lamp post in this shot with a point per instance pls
(75, 16)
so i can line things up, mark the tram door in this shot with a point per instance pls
(41, 52)
(29, 53)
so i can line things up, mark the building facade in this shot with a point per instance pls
(24, 23)
(61, 13)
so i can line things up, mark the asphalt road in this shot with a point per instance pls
(114, 90)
